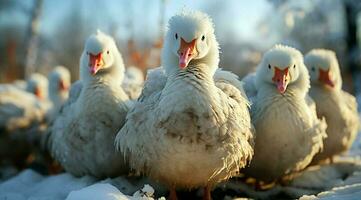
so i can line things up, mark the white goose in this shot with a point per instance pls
(191, 126)
(22, 114)
(59, 83)
(19, 109)
(337, 106)
(288, 131)
(82, 136)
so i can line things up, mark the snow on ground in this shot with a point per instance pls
(106, 191)
(33, 186)
(350, 190)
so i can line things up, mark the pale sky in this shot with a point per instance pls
(238, 17)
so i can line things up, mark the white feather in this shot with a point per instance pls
(188, 120)
(59, 75)
(82, 136)
(289, 133)
(133, 82)
(338, 107)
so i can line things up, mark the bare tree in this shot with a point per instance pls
(68, 40)
(31, 38)
(12, 39)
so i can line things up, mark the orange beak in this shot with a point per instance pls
(325, 78)
(281, 78)
(38, 93)
(95, 63)
(63, 86)
(186, 52)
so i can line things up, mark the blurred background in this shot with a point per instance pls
(37, 35)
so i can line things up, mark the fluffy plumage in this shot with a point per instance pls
(288, 131)
(21, 84)
(22, 118)
(249, 84)
(18, 108)
(189, 120)
(38, 84)
(133, 82)
(59, 84)
(337, 106)
(82, 136)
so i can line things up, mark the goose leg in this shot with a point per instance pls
(207, 193)
(172, 194)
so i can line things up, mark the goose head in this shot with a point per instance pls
(37, 84)
(59, 83)
(281, 67)
(100, 56)
(190, 40)
(323, 67)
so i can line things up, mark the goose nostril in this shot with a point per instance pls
(189, 54)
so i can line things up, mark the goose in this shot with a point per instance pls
(22, 115)
(338, 107)
(82, 135)
(191, 126)
(19, 108)
(133, 82)
(288, 132)
(59, 83)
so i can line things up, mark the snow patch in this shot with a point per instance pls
(97, 191)
(106, 191)
(31, 185)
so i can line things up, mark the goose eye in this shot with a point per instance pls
(294, 66)
(313, 69)
(269, 66)
(176, 36)
(108, 52)
(203, 38)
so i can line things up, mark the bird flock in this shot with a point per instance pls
(190, 124)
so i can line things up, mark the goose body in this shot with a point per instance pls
(189, 118)
(22, 119)
(288, 131)
(338, 107)
(82, 136)
(20, 109)
(133, 82)
(249, 85)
